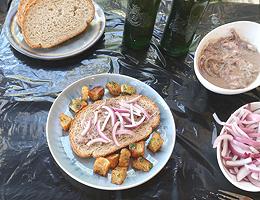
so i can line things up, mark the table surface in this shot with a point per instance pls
(28, 88)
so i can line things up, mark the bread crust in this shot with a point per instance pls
(26, 35)
(101, 150)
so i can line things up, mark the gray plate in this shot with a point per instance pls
(82, 169)
(72, 47)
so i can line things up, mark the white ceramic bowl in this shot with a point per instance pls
(248, 31)
(243, 185)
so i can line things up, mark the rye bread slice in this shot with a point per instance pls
(47, 23)
(104, 149)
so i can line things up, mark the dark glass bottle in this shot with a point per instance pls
(181, 26)
(139, 23)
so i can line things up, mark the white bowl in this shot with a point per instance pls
(248, 31)
(243, 185)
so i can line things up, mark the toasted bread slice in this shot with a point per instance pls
(104, 149)
(47, 23)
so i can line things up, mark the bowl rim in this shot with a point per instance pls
(221, 166)
(204, 81)
(120, 187)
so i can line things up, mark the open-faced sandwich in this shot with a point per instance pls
(113, 130)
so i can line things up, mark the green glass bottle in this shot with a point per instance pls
(139, 23)
(181, 26)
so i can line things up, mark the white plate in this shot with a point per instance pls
(69, 48)
(81, 169)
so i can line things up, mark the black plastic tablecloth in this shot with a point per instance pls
(28, 88)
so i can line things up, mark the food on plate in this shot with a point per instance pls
(101, 166)
(240, 145)
(127, 89)
(155, 142)
(113, 159)
(77, 104)
(137, 149)
(84, 93)
(65, 121)
(124, 158)
(46, 23)
(142, 164)
(96, 93)
(230, 62)
(118, 175)
(113, 88)
(21, 7)
(106, 126)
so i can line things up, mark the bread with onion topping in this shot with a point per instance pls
(103, 149)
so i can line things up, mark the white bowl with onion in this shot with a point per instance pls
(249, 32)
(238, 147)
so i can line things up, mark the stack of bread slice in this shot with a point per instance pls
(47, 23)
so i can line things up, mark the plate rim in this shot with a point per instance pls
(120, 187)
(9, 19)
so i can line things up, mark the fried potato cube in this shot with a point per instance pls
(113, 88)
(77, 104)
(113, 159)
(155, 143)
(137, 149)
(142, 164)
(124, 158)
(118, 175)
(84, 93)
(101, 166)
(128, 89)
(96, 93)
(65, 121)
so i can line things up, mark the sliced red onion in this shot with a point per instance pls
(253, 150)
(224, 148)
(121, 110)
(102, 135)
(112, 114)
(238, 130)
(126, 105)
(142, 110)
(136, 124)
(236, 169)
(105, 122)
(241, 145)
(125, 114)
(242, 173)
(253, 168)
(255, 175)
(218, 120)
(96, 140)
(220, 138)
(253, 181)
(132, 114)
(238, 163)
(127, 119)
(95, 117)
(125, 132)
(134, 99)
(229, 130)
(247, 130)
(248, 141)
(86, 129)
(120, 119)
(253, 117)
(235, 157)
(114, 133)
(237, 150)
(254, 135)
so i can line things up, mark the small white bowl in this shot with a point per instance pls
(243, 185)
(248, 31)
